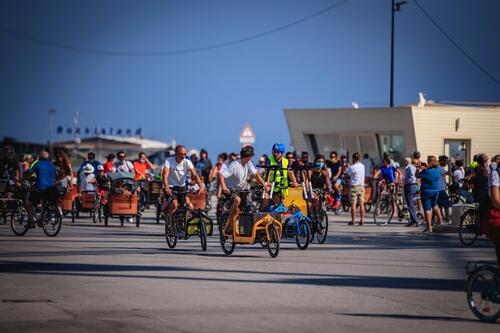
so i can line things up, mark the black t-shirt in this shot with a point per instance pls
(8, 168)
(334, 168)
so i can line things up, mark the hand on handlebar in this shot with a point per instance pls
(168, 191)
(225, 190)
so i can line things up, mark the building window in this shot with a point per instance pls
(393, 144)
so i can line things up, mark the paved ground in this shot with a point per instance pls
(376, 279)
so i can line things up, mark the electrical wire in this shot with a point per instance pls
(459, 48)
(172, 52)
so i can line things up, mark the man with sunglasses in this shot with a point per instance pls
(123, 165)
(175, 173)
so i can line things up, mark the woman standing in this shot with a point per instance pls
(430, 190)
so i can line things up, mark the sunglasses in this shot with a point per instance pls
(121, 156)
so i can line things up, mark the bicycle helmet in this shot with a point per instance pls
(279, 147)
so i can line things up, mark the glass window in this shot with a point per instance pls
(393, 144)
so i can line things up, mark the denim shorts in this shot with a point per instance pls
(429, 199)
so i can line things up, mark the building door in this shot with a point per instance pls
(457, 149)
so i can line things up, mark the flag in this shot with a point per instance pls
(69, 130)
(60, 130)
(129, 131)
(138, 131)
(119, 131)
(111, 131)
(95, 131)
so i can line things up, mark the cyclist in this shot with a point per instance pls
(90, 159)
(319, 177)
(235, 177)
(281, 176)
(124, 165)
(88, 179)
(388, 172)
(8, 166)
(175, 172)
(336, 172)
(141, 167)
(45, 173)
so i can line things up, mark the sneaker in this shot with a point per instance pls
(350, 223)
(131, 220)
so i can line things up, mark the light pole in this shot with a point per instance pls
(395, 7)
(51, 113)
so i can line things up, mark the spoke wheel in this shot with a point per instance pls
(170, 234)
(19, 221)
(382, 214)
(483, 293)
(468, 230)
(322, 227)
(302, 234)
(226, 243)
(51, 221)
(273, 245)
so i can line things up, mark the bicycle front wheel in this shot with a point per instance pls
(302, 234)
(322, 227)
(19, 221)
(203, 235)
(483, 293)
(468, 230)
(273, 245)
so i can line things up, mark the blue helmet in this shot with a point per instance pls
(279, 147)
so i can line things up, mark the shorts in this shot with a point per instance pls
(429, 199)
(355, 193)
(337, 182)
(443, 200)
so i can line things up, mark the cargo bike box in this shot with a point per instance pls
(122, 199)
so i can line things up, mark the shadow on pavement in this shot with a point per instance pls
(410, 317)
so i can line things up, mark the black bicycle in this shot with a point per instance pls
(483, 290)
(186, 222)
(469, 228)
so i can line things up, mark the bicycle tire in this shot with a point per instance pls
(170, 239)
(56, 226)
(322, 227)
(203, 235)
(302, 233)
(19, 215)
(273, 245)
(488, 288)
(469, 227)
(227, 249)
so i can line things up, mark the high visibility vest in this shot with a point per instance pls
(280, 177)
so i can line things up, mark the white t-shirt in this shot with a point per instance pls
(356, 173)
(442, 179)
(236, 174)
(178, 171)
(85, 179)
(458, 175)
(125, 167)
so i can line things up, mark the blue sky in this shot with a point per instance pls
(203, 99)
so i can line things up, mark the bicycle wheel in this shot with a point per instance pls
(468, 230)
(322, 227)
(273, 245)
(226, 243)
(51, 222)
(203, 235)
(170, 234)
(483, 293)
(19, 221)
(302, 234)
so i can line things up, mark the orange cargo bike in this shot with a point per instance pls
(68, 203)
(123, 199)
(250, 227)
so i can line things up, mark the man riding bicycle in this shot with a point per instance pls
(45, 173)
(235, 178)
(280, 177)
(174, 174)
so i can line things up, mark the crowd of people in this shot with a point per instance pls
(436, 179)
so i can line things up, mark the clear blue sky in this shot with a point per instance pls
(204, 99)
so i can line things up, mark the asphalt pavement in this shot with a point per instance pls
(126, 279)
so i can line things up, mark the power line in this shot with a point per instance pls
(172, 52)
(451, 40)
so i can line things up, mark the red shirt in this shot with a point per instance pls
(140, 168)
(108, 166)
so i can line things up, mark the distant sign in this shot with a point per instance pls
(247, 136)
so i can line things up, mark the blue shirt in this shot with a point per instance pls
(410, 177)
(430, 179)
(388, 173)
(45, 174)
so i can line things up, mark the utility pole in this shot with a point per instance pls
(395, 7)
(51, 113)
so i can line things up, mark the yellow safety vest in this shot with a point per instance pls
(281, 176)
